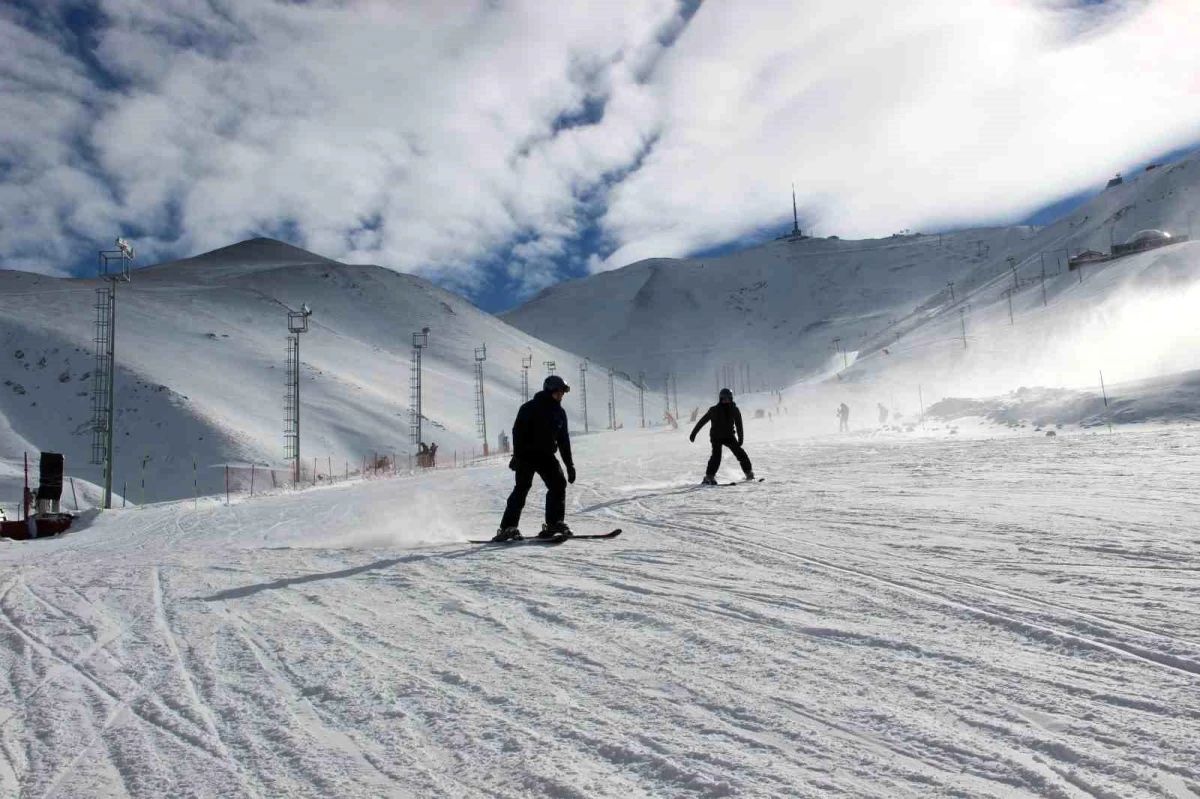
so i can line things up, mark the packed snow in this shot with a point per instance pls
(883, 616)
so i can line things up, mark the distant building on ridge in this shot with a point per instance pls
(1146, 240)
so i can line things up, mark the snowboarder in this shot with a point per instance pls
(843, 414)
(726, 431)
(538, 433)
(883, 414)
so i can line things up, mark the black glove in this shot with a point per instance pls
(570, 473)
(514, 463)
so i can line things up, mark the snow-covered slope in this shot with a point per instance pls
(201, 367)
(997, 618)
(778, 307)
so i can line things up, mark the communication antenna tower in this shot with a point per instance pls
(113, 268)
(297, 324)
(420, 342)
(480, 414)
(675, 393)
(583, 367)
(667, 393)
(550, 366)
(526, 362)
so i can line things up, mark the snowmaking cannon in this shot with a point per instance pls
(40, 516)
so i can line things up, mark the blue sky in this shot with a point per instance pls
(499, 146)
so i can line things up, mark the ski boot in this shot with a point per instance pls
(507, 534)
(555, 530)
(708, 480)
(749, 474)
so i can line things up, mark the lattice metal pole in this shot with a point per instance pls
(583, 367)
(297, 324)
(526, 363)
(675, 394)
(612, 403)
(291, 393)
(480, 412)
(642, 397)
(420, 342)
(104, 382)
(100, 375)
(667, 394)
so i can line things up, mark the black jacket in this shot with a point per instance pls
(541, 430)
(725, 419)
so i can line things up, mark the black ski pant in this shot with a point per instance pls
(714, 462)
(556, 491)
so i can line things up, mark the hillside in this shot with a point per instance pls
(778, 307)
(201, 368)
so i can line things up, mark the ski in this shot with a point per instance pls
(521, 541)
(610, 534)
(741, 482)
(546, 541)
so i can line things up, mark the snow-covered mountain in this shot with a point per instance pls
(201, 367)
(778, 308)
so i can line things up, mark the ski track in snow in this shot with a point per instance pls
(965, 618)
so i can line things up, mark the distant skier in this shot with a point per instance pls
(539, 431)
(726, 431)
(843, 415)
(883, 414)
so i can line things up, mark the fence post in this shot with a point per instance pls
(74, 495)
(124, 491)
(329, 467)
(252, 479)
(227, 485)
(195, 486)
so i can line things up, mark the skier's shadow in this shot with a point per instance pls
(612, 503)
(288, 582)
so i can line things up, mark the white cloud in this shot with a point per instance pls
(420, 135)
(891, 116)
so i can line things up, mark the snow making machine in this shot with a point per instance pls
(40, 516)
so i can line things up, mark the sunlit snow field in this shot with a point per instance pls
(1007, 616)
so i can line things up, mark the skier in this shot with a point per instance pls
(843, 414)
(726, 419)
(539, 431)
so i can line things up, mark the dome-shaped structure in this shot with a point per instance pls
(1150, 236)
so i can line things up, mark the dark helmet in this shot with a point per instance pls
(555, 383)
(725, 394)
